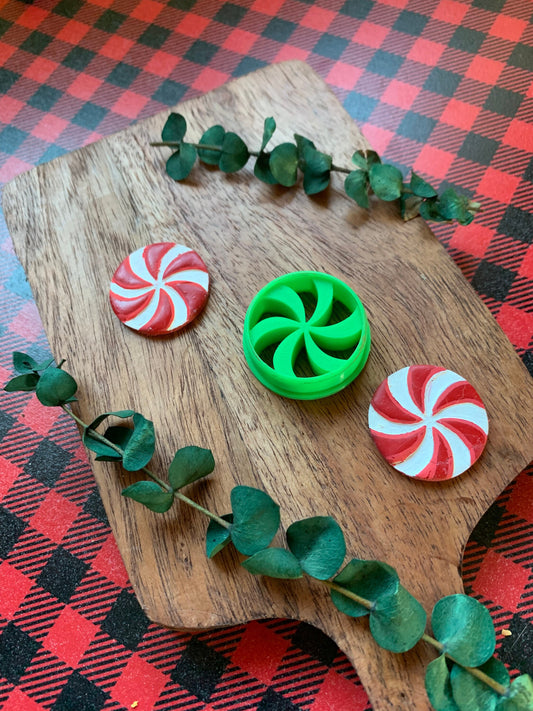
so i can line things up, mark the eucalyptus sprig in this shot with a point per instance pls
(284, 163)
(464, 677)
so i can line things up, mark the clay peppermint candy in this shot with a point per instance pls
(428, 422)
(160, 288)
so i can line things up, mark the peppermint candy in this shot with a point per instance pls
(160, 288)
(428, 423)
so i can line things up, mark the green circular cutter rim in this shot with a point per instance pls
(277, 322)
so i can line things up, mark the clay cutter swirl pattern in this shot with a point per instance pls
(428, 422)
(306, 319)
(160, 288)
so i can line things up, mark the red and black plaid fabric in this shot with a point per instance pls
(441, 86)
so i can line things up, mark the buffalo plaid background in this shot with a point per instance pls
(441, 86)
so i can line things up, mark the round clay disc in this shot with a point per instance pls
(428, 423)
(160, 288)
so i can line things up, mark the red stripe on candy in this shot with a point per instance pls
(418, 377)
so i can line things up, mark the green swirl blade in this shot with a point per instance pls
(339, 336)
(324, 303)
(285, 301)
(286, 354)
(271, 330)
(320, 361)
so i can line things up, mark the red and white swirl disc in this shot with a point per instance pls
(160, 288)
(428, 422)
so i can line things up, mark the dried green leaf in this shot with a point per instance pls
(141, 444)
(520, 695)
(181, 162)
(55, 387)
(464, 627)
(274, 562)
(24, 363)
(234, 154)
(356, 187)
(284, 164)
(438, 685)
(255, 519)
(214, 136)
(430, 210)
(386, 181)
(359, 159)
(369, 579)
(397, 621)
(472, 694)
(318, 544)
(317, 170)
(22, 383)
(189, 464)
(410, 206)
(174, 128)
(151, 495)
(269, 127)
(217, 536)
(453, 206)
(119, 435)
(420, 187)
(262, 169)
(103, 451)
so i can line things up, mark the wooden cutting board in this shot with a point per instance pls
(74, 220)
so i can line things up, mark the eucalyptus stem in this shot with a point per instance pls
(198, 507)
(198, 146)
(474, 671)
(348, 593)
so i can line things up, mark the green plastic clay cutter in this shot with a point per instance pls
(306, 335)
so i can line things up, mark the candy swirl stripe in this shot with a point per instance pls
(159, 288)
(428, 422)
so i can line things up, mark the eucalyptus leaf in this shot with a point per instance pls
(103, 451)
(452, 205)
(464, 627)
(397, 621)
(274, 562)
(262, 169)
(359, 159)
(369, 579)
(438, 685)
(119, 435)
(174, 129)
(386, 181)
(318, 544)
(24, 363)
(214, 136)
(217, 536)
(356, 187)
(234, 155)
(520, 695)
(55, 387)
(181, 162)
(302, 144)
(27, 382)
(410, 206)
(284, 164)
(141, 444)
(372, 157)
(151, 495)
(255, 519)
(472, 694)
(317, 171)
(430, 210)
(189, 464)
(420, 187)
(269, 127)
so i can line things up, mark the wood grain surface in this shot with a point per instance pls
(74, 220)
